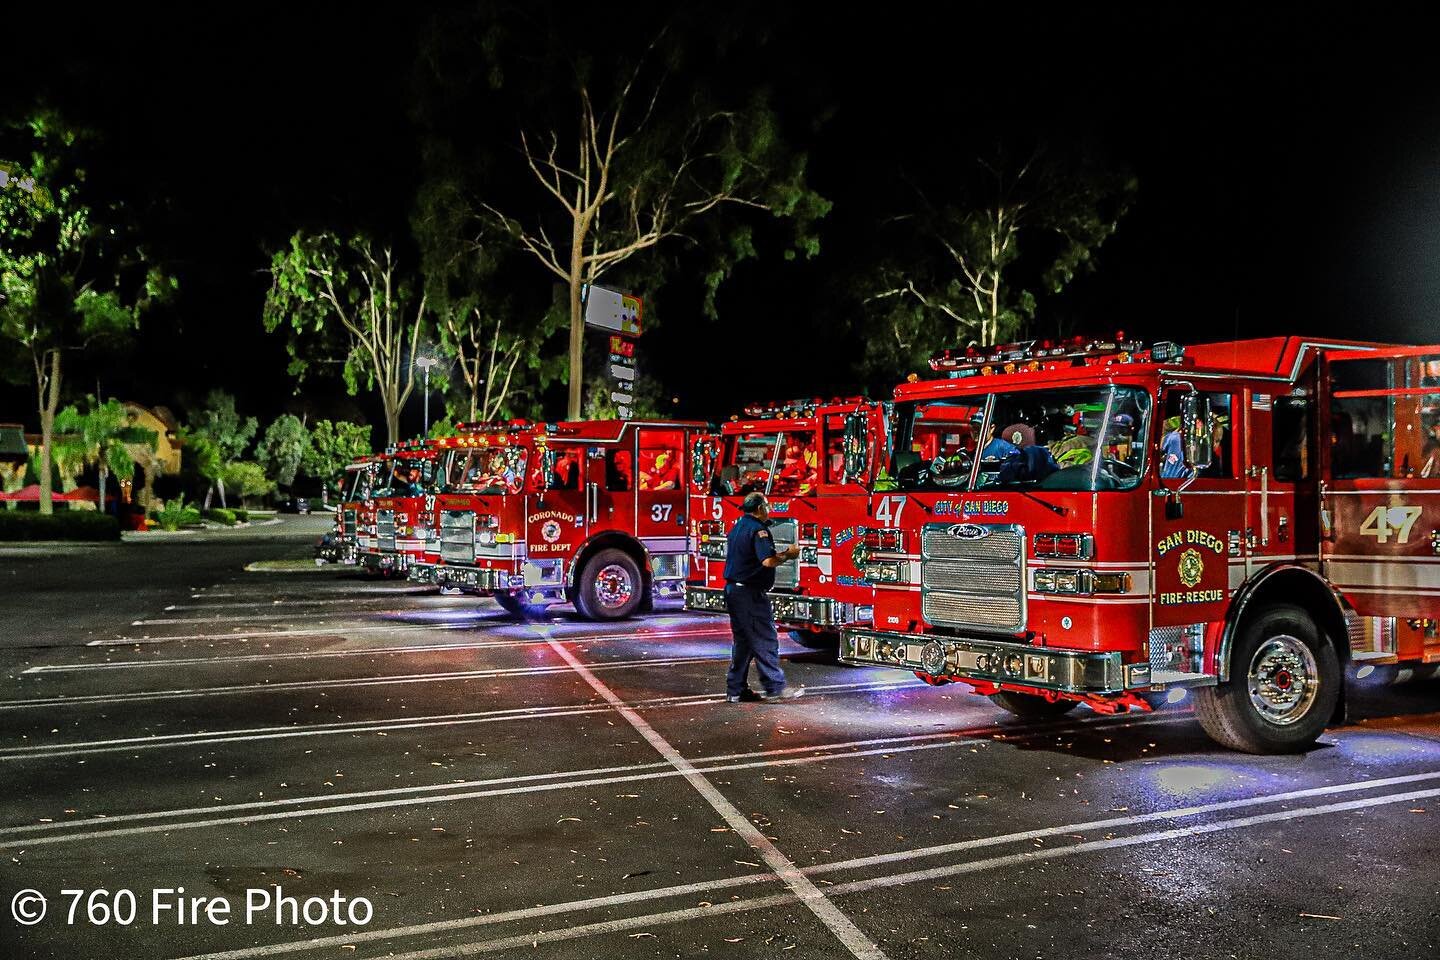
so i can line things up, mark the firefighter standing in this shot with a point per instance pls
(750, 562)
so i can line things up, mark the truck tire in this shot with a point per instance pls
(1032, 706)
(1284, 683)
(826, 640)
(609, 586)
(512, 603)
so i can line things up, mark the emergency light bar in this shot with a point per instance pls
(1035, 355)
(493, 426)
(792, 409)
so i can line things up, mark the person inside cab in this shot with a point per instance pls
(663, 474)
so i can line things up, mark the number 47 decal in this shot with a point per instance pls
(888, 510)
(1385, 521)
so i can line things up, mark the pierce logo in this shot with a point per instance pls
(967, 531)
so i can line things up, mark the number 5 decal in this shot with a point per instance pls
(1384, 521)
(888, 510)
(715, 509)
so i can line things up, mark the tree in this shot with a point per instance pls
(223, 437)
(283, 448)
(347, 297)
(498, 342)
(103, 436)
(631, 175)
(333, 445)
(247, 478)
(1008, 232)
(70, 273)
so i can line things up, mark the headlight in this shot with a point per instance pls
(887, 571)
(485, 538)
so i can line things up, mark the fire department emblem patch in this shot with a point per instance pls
(550, 531)
(1192, 567)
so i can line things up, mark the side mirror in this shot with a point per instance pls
(548, 459)
(1195, 430)
(857, 445)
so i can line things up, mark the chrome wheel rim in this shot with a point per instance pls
(1283, 680)
(614, 586)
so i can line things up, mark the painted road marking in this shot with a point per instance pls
(148, 696)
(338, 728)
(222, 659)
(575, 906)
(413, 796)
(803, 887)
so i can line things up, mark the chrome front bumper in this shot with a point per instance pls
(790, 608)
(423, 573)
(343, 553)
(399, 562)
(476, 578)
(991, 661)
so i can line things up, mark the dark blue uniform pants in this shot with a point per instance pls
(753, 624)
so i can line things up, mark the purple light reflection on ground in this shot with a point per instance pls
(1380, 749)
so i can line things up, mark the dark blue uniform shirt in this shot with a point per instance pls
(746, 549)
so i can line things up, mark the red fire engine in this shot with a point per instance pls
(596, 513)
(1093, 523)
(343, 545)
(813, 461)
(392, 521)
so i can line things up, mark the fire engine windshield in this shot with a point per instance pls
(494, 470)
(360, 483)
(782, 464)
(404, 477)
(1081, 438)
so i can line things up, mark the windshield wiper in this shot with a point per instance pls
(1054, 508)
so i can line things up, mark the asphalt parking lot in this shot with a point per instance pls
(566, 789)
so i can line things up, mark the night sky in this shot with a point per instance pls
(1286, 160)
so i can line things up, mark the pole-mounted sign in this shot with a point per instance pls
(619, 313)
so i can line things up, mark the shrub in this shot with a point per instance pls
(222, 516)
(241, 516)
(175, 515)
(65, 525)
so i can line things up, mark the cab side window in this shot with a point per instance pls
(1290, 439)
(566, 473)
(1222, 437)
(619, 471)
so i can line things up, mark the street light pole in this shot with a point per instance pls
(425, 363)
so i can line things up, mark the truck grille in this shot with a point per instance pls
(973, 576)
(385, 529)
(457, 536)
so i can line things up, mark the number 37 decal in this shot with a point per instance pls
(1386, 522)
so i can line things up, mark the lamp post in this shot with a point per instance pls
(425, 363)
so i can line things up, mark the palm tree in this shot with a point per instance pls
(103, 436)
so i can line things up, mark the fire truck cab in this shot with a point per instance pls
(1098, 523)
(816, 463)
(342, 546)
(596, 513)
(393, 515)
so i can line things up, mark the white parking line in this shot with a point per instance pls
(844, 929)
(149, 696)
(424, 800)
(655, 919)
(351, 727)
(504, 621)
(222, 659)
(475, 789)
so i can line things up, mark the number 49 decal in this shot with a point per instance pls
(1384, 522)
